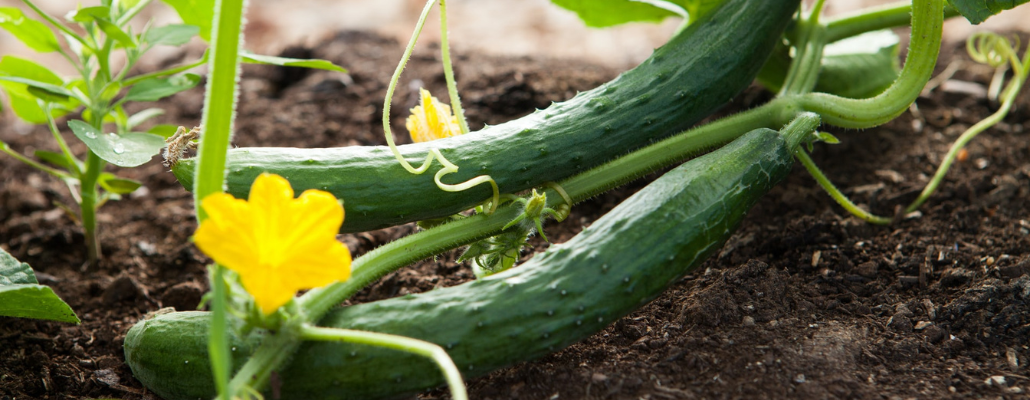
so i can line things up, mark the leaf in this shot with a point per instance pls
(116, 185)
(126, 150)
(155, 89)
(976, 11)
(604, 13)
(22, 296)
(252, 58)
(164, 130)
(171, 35)
(88, 14)
(53, 158)
(17, 74)
(198, 13)
(115, 33)
(142, 116)
(14, 272)
(33, 33)
(861, 66)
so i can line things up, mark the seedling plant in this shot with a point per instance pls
(270, 246)
(102, 47)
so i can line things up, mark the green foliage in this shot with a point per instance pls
(17, 75)
(22, 296)
(32, 33)
(977, 11)
(252, 58)
(605, 13)
(124, 150)
(198, 13)
(171, 35)
(860, 66)
(156, 88)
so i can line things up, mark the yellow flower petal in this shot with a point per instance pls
(277, 244)
(431, 120)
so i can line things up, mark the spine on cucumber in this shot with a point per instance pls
(561, 296)
(699, 70)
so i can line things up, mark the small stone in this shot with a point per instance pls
(996, 380)
(934, 333)
(900, 323)
(123, 288)
(183, 296)
(749, 320)
(922, 325)
(107, 376)
(598, 377)
(868, 269)
(958, 276)
(78, 351)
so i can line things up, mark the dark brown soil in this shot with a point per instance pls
(804, 301)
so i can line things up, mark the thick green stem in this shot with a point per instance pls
(874, 19)
(88, 207)
(925, 43)
(217, 122)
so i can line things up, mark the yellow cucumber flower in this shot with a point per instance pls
(431, 120)
(278, 245)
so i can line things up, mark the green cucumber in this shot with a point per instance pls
(696, 72)
(559, 297)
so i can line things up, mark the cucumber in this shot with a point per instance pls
(559, 297)
(696, 72)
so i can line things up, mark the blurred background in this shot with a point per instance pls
(516, 28)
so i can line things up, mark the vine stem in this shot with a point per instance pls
(448, 73)
(927, 22)
(835, 193)
(405, 344)
(448, 167)
(1010, 93)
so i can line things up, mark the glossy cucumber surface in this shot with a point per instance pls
(696, 72)
(561, 296)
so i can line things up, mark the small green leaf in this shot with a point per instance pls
(17, 74)
(198, 13)
(861, 66)
(33, 33)
(116, 185)
(154, 89)
(115, 33)
(88, 14)
(22, 296)
(126, 150)
(977, 11)
(53, 158)
(164, 130)
(604, 13)
(827, 137)
(47, 95)
(171, 35)
(252, 58)
(142, 116)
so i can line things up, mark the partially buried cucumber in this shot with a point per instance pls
(559, 297)
(696, 72)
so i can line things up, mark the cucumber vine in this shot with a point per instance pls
(447, 166)
(498, 235)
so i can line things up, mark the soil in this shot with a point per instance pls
(804, 301)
